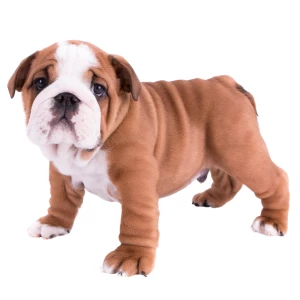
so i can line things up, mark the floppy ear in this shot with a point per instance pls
(17, 80)
(129, 81)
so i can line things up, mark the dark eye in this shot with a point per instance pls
(40, 83)
(98, 89)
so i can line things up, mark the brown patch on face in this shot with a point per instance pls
(40, 64)
(115, 103)
(52, 73)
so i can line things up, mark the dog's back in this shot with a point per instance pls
(185, 112)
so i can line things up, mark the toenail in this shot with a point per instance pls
(205, 204)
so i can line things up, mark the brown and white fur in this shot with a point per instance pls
(137, 142)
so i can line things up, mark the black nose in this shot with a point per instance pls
(67, 99)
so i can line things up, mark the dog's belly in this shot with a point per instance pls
(93, 175)
(167, 186)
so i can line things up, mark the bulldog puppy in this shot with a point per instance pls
(104, 131)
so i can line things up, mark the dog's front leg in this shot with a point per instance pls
(136, 183)
(64, 204)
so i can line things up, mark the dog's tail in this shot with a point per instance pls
(230, 82)
(248, 95)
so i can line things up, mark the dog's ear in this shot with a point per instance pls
(18, 79)
(128, 79)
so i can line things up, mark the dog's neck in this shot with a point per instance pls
(75, 156)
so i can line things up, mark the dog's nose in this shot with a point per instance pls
(67, 98)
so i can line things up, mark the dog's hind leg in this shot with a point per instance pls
(237, 147)
(270, 184)
(275, 200)
(223, 189)
(246, 158)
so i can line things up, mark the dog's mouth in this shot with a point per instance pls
(62, 120)
(65, 131)
(61, 150)
(62, 132)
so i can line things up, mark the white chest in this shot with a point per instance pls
(94, 175)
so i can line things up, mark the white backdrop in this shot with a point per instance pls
(204, 253)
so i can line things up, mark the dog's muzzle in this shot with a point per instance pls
(65, 107)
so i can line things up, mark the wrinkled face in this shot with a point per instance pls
(65, 110)
(74, 96)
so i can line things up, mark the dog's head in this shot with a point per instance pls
(75, 95)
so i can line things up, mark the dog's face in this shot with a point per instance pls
(75, 95)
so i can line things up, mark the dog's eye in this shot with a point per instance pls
(98, 89)
(40, 83)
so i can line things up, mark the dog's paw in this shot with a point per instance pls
(267, 226)
(201, 199)
(46, 231)
(210, 198)
(130, 260)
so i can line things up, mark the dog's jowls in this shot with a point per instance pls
(105, 131)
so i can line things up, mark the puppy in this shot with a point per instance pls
(106, 132)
